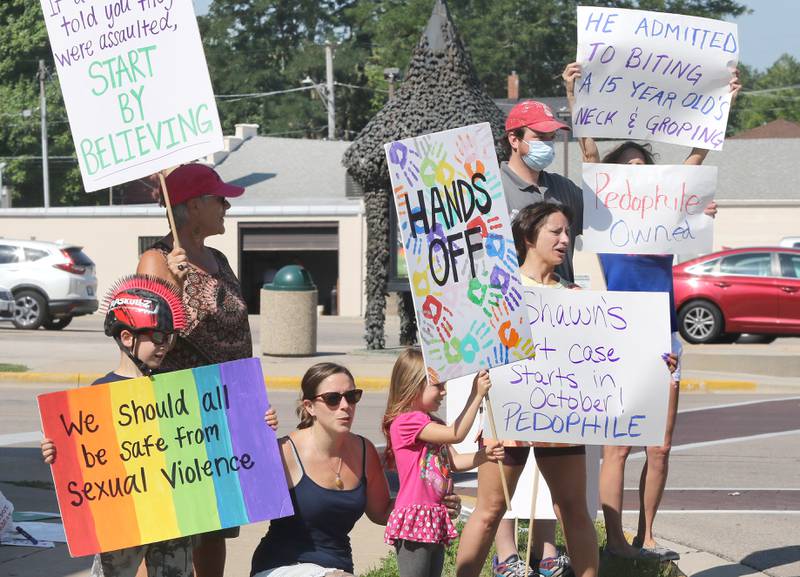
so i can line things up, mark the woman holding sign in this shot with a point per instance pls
(634, 272)
(217, 328)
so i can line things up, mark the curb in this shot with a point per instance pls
(83, 379)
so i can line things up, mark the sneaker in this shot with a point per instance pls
(555, 567)
(513, 566)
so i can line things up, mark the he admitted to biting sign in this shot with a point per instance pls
(145, 460)
(135, 84)
(654, 76)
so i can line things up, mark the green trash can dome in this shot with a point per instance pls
(291, 278)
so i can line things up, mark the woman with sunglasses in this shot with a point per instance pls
(334, 477)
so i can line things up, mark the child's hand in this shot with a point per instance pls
(481, 384)
(48, 451)
(178, 263)
(452, 503)
(271, 419)
(671, 360)
(494, 450)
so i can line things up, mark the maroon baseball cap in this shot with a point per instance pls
(193, 180)
(535, 115)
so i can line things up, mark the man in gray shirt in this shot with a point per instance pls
(530, 130)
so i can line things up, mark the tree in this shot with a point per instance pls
(768, 95)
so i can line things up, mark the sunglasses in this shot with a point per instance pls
(158, 337)
(333, 399)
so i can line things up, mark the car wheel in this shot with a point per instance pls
(57, 324)
(700, 322)
(31, 310)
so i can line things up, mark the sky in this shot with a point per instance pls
(769, 31)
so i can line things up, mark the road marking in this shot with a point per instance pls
(718, 512)
(18, 438)
(741, 404)
(721, 489)
(688, 446)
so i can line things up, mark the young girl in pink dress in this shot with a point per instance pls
(418, 444)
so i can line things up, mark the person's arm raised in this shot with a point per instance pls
(457, 431)
(698, 155)
(588, 146)
(174, 269)
(379, 503)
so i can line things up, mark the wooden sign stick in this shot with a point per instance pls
(531, 521)
(175, 241)
(493, 429)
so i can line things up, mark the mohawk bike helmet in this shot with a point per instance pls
(139, 303)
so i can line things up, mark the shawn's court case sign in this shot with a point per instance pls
(145, 460)
(135, 84)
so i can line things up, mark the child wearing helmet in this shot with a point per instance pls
(143, 314)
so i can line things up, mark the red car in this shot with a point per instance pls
(745, 290)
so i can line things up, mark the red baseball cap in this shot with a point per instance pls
(193, 180)
(535, 115)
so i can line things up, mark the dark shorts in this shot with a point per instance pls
(518, 456)
(229, 533)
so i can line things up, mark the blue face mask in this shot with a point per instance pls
(540, 154)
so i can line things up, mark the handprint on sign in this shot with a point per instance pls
(421, 283)
(508, 335)
(498, 248)
(525, 350)
(478, 338)
(434, 311)
(434, 168)
(476, 291)
(499, 356)
(405, 160)
(468, 155)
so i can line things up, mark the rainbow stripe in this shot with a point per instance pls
(145, 460)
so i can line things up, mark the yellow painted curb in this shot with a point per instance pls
(81, 379)
(715, 385)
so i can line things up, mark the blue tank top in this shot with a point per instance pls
(318, 532)
(641, 273)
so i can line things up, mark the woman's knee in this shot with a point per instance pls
(616, 453)
(659, 455)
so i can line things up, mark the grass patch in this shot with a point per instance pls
(12, 368)
(609, 566)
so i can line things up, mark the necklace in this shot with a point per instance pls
(338, 482)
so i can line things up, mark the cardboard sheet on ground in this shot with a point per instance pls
(655, 76)
(647, 209)
(459, 250)
(145, 460)
(135, 84)
(457, 394)
(598, 377)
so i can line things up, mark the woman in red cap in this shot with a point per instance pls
(217, 329)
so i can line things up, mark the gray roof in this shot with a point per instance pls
(752, 170)
(287, 171)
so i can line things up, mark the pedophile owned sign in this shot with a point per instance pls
(462, 264)
(135, 84)
(145, 460)
(598, 377)
(654, 76)
(647, 209)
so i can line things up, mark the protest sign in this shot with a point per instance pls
(647, 209)
(135, 84)
(144, 460)
(461, 260)
(654, 76)
(598, 377)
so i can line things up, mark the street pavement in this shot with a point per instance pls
(732, 505)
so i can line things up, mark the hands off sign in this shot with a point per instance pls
(654, 76)
(647, 209)
(135, 84)
(145, 460)
(598, 377)
(461, 259)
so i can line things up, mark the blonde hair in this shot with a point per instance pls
(405, 387)
(309, 385)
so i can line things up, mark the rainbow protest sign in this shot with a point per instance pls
(461, 259)
(144, 460)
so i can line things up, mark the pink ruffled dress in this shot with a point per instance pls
(423, 468)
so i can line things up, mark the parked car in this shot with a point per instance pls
(721, 295)
(51, 282)
(6, 304)
(790, 241)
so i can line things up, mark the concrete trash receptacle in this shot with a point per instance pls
(289, 314)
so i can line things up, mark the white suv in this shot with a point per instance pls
(51, 282)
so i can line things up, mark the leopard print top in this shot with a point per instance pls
(217, 329)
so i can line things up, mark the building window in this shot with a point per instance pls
(145, 242)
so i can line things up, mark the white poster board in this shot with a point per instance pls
(462, 264)
(135, 84)
(598, 377)
(647, 209)
(654, 76)
(457, 395)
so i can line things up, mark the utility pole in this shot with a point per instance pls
(391, 75)
(330, 100)
(5, 201)
(43, 107)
